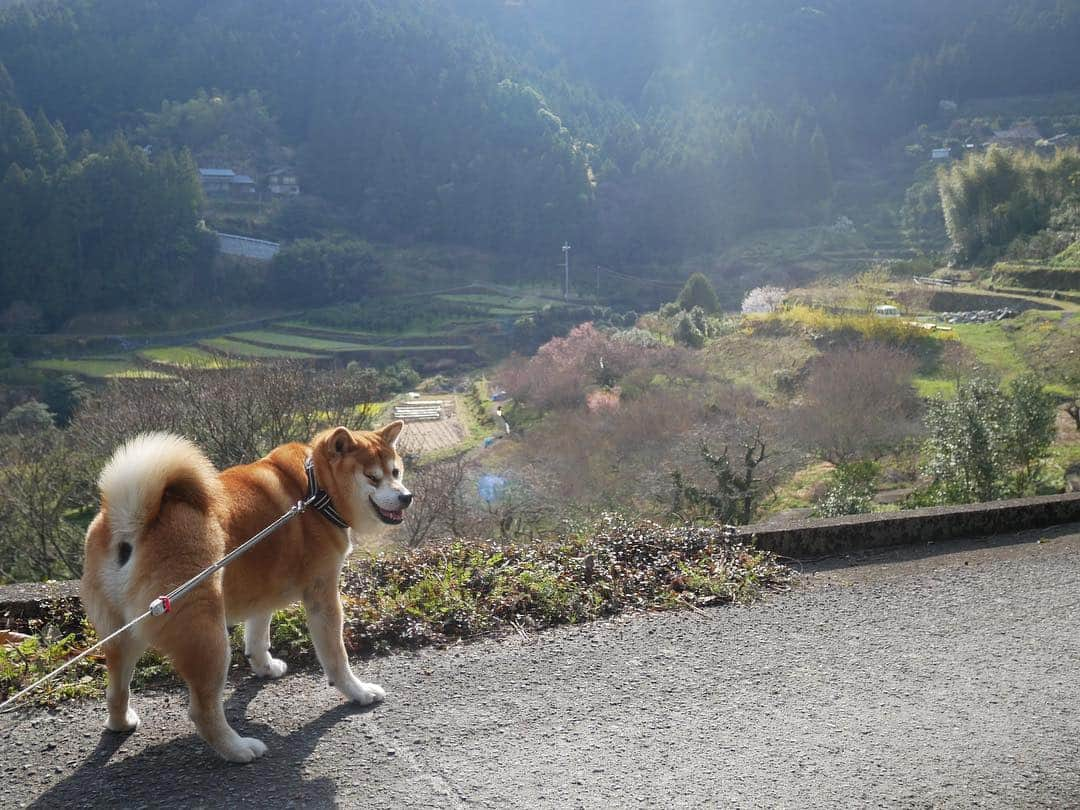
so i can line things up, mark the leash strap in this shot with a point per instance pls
(319, 499)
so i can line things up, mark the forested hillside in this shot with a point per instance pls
(84, 226)
(638, 131)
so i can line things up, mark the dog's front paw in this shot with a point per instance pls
(363, 693)
(122, 725)
(243, 750)
(271, 668)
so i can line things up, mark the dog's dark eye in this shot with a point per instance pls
(372, 479)
(397, 473)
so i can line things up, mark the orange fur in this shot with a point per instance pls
(162, 498)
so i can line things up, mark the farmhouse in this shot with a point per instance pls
(1021, 135)
(941, 154)
(216, 181)
(226, 182)
(283, 182)
(241, 185)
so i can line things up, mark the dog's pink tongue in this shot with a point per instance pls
(392, 515)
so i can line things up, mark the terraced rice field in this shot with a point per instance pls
(302, 328)
(238, 348)
(495, 304)
(97, 368)
(293, 341)
(186, 357)
(442, 333)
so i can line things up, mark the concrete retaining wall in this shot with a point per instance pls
(21, 603)
(819, 538)
(232, 244)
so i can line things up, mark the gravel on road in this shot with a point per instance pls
(923, 678)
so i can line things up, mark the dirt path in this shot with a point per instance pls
(907, 680)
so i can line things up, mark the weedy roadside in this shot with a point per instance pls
(461, 590)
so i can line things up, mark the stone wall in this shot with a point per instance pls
(819, 538)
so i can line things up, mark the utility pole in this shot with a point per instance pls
(566, 264)
(598, 283)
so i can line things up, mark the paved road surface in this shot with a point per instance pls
(947, 680)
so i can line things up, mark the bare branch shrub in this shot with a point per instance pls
(563, 370)
(44, 482)
(618, 457)
(235, 415)
(858, 402)
(439, 508)
(727, 464)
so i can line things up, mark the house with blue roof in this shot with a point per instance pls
(226, 182)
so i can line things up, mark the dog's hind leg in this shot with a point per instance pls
(257, 648)
(121, 655)
(202, 660)
(323, 605)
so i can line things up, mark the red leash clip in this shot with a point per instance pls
(160, 606)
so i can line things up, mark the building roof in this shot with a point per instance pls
(242, 179)
(1020, 132)
(222, 173)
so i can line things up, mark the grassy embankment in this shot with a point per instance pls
(776, 349)
(466, 590)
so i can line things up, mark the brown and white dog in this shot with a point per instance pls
(167, 514)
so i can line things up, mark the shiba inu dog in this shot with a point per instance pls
(166, 514)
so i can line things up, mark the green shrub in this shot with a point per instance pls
(670, 310)
(698, 292)
(851, 490)
(687, 333)
(987, 443)
(28, 417)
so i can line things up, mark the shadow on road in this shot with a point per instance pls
(185, 772)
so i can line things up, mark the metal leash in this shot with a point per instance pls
(163, 604)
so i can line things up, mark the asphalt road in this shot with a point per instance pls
(946, 679)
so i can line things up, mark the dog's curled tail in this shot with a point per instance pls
(144, 472)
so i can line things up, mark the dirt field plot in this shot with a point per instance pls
(424, 438)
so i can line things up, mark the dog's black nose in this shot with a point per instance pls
(405, 498)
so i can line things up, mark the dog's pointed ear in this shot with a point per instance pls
(339, 442)
(390, 432)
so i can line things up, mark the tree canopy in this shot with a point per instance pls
(634, 130)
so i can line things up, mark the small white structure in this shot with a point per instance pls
(941, 154)
(420, 410)
(886, 311)
(283, 182)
